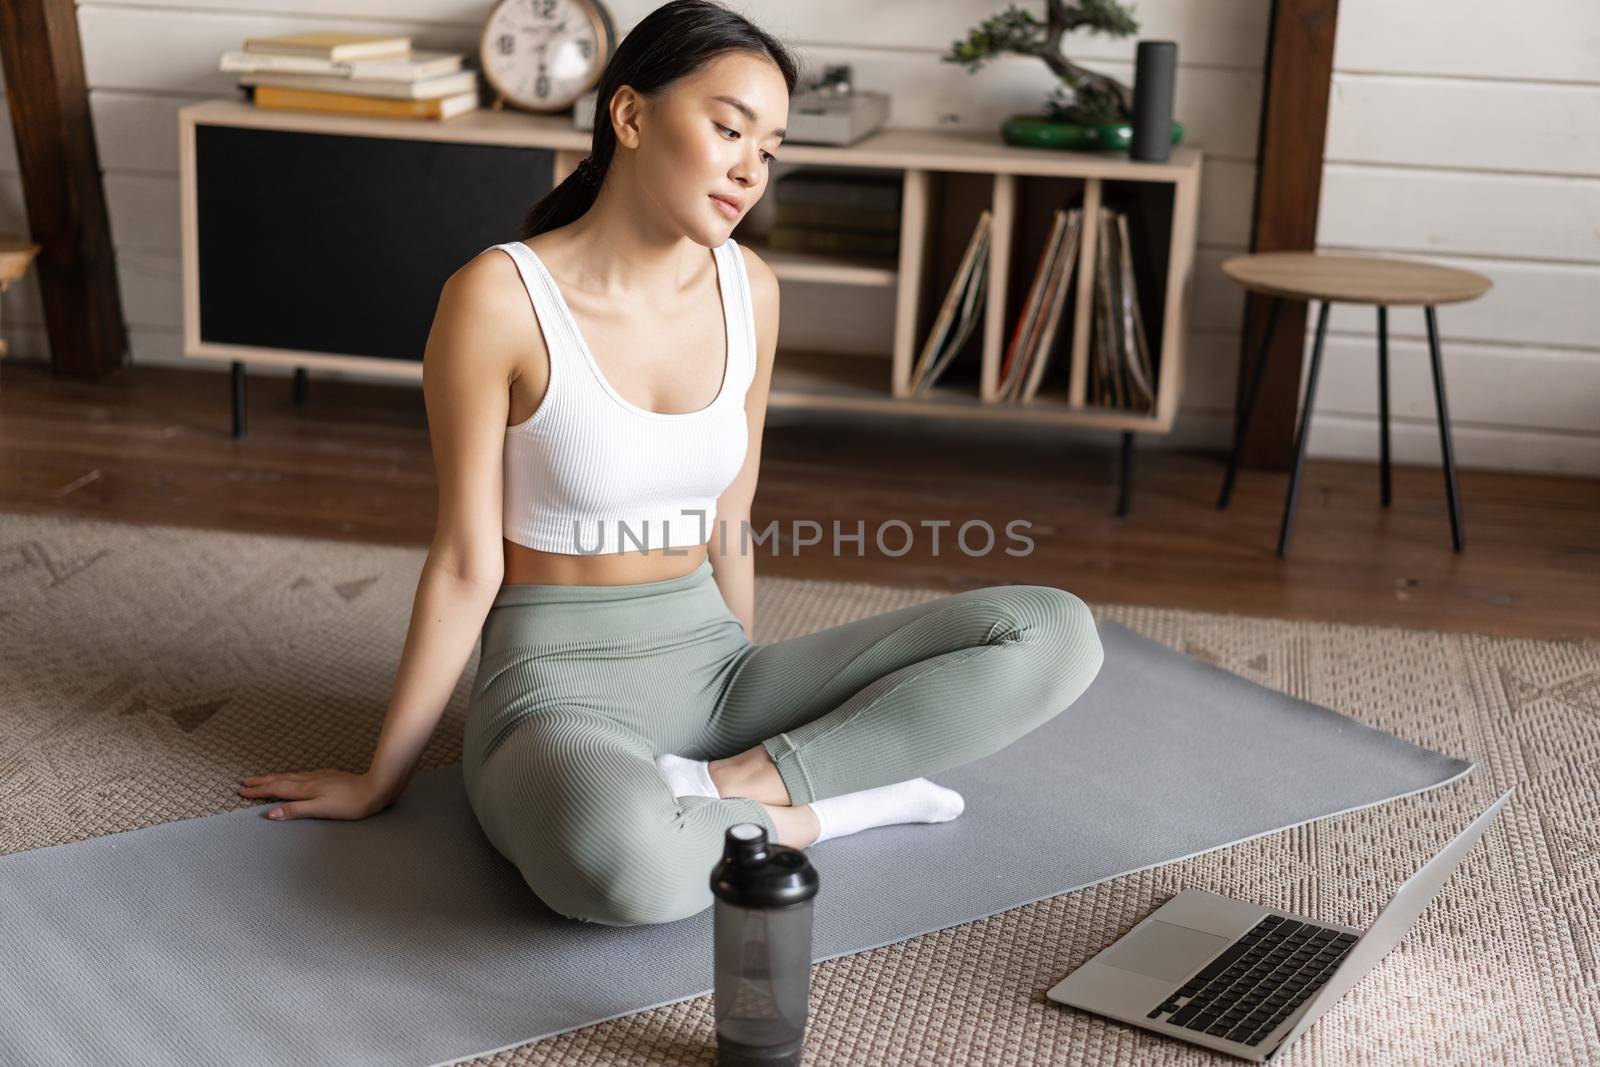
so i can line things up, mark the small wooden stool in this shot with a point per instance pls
(15, 255)
(1358, 280)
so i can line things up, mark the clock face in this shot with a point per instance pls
(543, 54)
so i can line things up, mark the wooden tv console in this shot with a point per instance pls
(947, 177)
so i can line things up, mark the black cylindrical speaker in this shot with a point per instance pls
(1155, 72)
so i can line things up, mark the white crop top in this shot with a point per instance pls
(590, 473)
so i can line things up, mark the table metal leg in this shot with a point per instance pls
(238, 399)
(1243, 425)
(1383, 401)
(301, 387)
(1305, 427)
(1125, 490)
(1457, 539)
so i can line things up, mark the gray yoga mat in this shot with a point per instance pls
(405, 939)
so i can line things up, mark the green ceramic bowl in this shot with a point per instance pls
(1036, 131)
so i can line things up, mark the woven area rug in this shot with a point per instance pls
(100, 735)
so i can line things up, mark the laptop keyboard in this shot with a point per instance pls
(1260, 980)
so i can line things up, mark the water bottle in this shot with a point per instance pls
(762, 945)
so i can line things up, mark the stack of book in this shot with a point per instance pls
(1121, 374)
(959, 312)
(354, 74)
(1032, 340)
(836, 213)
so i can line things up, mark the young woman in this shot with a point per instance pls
(596, 394)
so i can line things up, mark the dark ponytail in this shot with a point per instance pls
(667, 44)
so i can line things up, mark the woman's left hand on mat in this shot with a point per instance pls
(325, 793)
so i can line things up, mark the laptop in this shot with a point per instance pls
(1241, 978)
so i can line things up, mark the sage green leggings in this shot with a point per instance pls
(580, 687)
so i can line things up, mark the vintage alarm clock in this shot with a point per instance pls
(541, 55)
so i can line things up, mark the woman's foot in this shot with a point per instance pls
(686, 777)
(914, 800)
(749, 774)
(917, 800)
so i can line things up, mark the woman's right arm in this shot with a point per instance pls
(472, 351)
(466, 378)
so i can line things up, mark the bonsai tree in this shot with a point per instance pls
(1084, 96)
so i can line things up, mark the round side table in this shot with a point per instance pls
(1357, 280)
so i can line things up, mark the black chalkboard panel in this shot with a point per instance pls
(340, 244)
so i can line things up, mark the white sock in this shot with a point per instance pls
(916, 800)
(687, 777)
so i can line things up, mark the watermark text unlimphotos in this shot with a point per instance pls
(892, 537)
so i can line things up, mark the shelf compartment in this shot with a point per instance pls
(1036, 200)
(830, 381)
(939, 211)
(878, 271)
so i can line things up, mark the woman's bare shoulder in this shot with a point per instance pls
(762, 276)
(490, 278)
(486, 300)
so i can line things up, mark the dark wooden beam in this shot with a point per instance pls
(49, 101)
(1294, 126)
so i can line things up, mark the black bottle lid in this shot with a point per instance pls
(755, 873)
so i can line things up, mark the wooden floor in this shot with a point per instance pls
(153, 444)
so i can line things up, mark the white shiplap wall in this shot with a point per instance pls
(1455, 133)
(1469, 134)
(146, 59)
